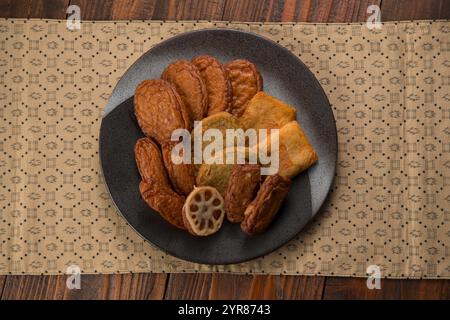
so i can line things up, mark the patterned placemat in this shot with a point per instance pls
(390, 93)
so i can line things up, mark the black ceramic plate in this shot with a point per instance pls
(286, 78)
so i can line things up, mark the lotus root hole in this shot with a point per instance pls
(193, 207)
(216, 202)
(216, 214)
(208, 195)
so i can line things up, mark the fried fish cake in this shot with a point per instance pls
(220, 121)
(159, 110)
(181, 175)
(217, 83)
(155, 188)
(263, 209)
(266, 112)
(168, 203)
(242, 187)
(189, 84)
(296, 154)
(246, 81)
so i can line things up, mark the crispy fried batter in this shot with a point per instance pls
(295, 152)
(261, 211)
(217, 83)
(154, 187)
(181, 175)
(246, 81)
(242, 187)
(266, 112)
(189, 84)
(160, 110)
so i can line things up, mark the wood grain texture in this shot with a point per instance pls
(189, 10)
(55, 9)
(415, 10)
(356, 288)
(129, 286)
(298, 10)
(94, 9)
(253, 287)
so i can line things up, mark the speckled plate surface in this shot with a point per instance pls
(286, 78)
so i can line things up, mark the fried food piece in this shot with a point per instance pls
(217, 83)
(266, 112)
(203, 211)
(295, 152)
(181, 175)
(155, 188)
(242, 187)
(214, 175)
(159, 110)
(246, 81)
(189, 84)
(168, 203)
(217, 172)
(221, 121)
(262, 210)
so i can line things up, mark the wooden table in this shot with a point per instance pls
(222, 286)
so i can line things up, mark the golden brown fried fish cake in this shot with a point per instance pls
(246, 81)
(189, 84)
(159, 110)
(168, 203)
(154, 187)
(181, 175)
(295, 152)
(266, 112)
(262, 210)
(242, 187)
(217, 83)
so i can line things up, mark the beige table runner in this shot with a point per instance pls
(390, 204)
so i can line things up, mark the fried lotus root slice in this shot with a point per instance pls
(203, 211)
(149, 163)
(159, 110)
(189, 84)
(217, 83)
(164, 200)
(181, 175)
(246, 81)
(262, 210)
(242, 187)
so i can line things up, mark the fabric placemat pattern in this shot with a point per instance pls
(390, 93)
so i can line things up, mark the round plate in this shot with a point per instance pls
(284, 77)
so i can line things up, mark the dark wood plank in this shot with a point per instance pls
(15, 8)
(33, 287)
(94, 9)
(228, 286)
(2, 284)
(55, 9)
(189, 10)
(133, 9)
(356, 288)
(415, 10)
(128, 286)
(298, 10)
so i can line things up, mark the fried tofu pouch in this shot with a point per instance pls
(296, 154)
(266, 112)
